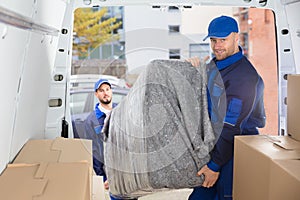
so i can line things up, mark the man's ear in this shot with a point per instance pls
(237, 37)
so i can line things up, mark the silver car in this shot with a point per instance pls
(83, 100)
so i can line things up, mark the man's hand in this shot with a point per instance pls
(196, 61)
(106, 185)
(210, 177)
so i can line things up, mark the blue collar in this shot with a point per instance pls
(222, 64)
(98, 112)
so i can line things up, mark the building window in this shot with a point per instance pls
(200, 50)
(174, 29)
(174, 53)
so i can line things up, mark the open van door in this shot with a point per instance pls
(36, 46)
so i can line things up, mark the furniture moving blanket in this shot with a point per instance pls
(160, 134)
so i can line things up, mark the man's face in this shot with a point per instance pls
(225, 47)
(104, 94)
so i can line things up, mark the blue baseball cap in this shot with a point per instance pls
(221, 27)
(100, 82)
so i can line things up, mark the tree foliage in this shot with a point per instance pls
(91, 31)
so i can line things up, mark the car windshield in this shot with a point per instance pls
(84, 101)
(77, 102)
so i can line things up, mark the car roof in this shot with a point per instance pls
(115, 89)
(88, 80)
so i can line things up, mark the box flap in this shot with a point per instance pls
(287, 143)
(37, 150)
(57, 150)
(66, 181)
(40, 172)
(274, 147)
(258, 154)
(11, 186)
(73, 149)
(48, 181)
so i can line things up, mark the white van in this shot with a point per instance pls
(36, 52)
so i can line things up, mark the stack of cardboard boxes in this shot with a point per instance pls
(268, 167)
(50, 169)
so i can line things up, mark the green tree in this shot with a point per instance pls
(90, 31)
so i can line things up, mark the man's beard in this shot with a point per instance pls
(105, 101)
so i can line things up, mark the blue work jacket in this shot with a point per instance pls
(93, 126)
(243, 88)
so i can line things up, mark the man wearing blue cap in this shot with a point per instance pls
(245, 107)
(94, 124)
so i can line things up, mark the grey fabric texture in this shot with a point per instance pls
(160, 134)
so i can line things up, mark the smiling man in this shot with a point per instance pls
(245, 107)
(95, 121)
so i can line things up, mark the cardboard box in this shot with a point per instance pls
(61, 154)
(285, 179)
(57, 150)
(293, 106)
(45, 181)
(253, 160)
(98, 189)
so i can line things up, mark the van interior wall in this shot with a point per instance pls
(288, 51)
(292, 10)
(27, 61)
